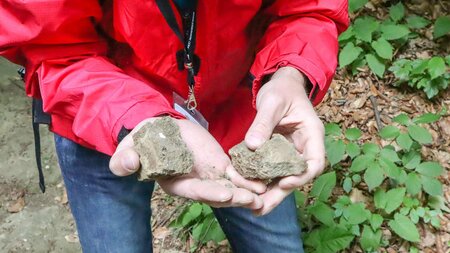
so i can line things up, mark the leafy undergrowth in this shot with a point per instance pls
(376, 42)
(381, 187)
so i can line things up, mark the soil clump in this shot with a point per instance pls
(277, 157)
(162, 152)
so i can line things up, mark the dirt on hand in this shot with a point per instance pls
(162, 152)
(277, 157)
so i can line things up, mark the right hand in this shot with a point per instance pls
(213, 180)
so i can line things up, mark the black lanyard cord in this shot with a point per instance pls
(189, 26)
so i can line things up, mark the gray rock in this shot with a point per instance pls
(275, 158)
(161, 150)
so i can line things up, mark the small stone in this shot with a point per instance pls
(277, 157)
(162, 152)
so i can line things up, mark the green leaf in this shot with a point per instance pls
(402, 119)
(404, 141)
(411, 159)
(405, 228)
(206, 210)
(436, 67)
(215, 233)
(353, 134)
(323, 186)
(391, 169)
(432, 186)
(370, 148)
(361, 162)
(348, 34)
(417, 22)
(379, 199)
(353, 149)
(323, 213)
(195, 209)
(394, 199)
(354, 5)
(347, 185)
(413, 183)
(401, 69)
(420, 134)
(374, 176)
(349, 54)
(356, 214)
(335, 151)
(190, 214)
(375, 221)
(427, 118)
(300, 198)
(333, 129)
(389, 154)
(329, 240)
(356, 178)
(441, 27)
(438, 203)
(431, 169)
(419, 66)
(394, 32)
(397, 12)
(389, 132)
(197, 231)
(359, 63)
(364, 28)
(383, 48)
(370, 241)
(376, 65)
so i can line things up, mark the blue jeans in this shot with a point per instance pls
(113, 213)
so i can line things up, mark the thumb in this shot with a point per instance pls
(125, 161)
(267, 118)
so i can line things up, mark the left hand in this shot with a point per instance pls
(284, 107)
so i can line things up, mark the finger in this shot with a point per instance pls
(270, 112)
(241, 197)
(240, 181)
(256, 204)
(196, 189)
(314, 169)
(125, 161)
(271, 199)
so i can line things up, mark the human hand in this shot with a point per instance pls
(213, 179)
(284, 107)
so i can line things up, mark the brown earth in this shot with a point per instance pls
(275, 158)
(161, 150)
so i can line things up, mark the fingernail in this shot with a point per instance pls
(255, 140)
(128, 164)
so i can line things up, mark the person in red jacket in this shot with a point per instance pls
(246, 68)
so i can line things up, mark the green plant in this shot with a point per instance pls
(429, 75)
(370, 189)
(441, 27)
(371, 42)
(197, 220)
(382, 187)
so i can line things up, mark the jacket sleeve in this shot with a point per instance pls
(66, 66)
(303, 35)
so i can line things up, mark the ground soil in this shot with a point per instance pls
(277, 157)
(161, 150)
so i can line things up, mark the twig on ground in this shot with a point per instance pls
(439, 246)
(375, 110)
(163, 222)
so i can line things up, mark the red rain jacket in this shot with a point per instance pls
(99, 68)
